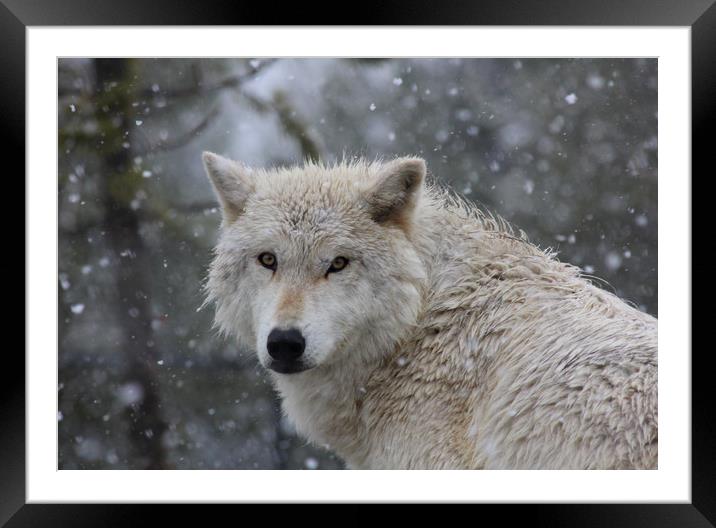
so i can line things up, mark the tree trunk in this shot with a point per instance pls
(118, 183)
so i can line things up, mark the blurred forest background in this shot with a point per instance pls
(564, 149)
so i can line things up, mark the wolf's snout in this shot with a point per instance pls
(285, 345)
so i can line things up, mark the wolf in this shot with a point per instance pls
(404, 328)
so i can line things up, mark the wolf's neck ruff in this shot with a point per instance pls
(449, 341)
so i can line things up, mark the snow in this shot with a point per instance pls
(613, 261)
(463, 114)
(473, 130)
(565, 149)
(89, 449)
(441, 136)
(515, 135)
(595, 81)
(557, 124)
(130, 393)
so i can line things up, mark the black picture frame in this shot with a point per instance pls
(17, 15)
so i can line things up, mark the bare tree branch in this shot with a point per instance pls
(201, 89)
(185, 138)
(197, 208)
(189, 91)
(291, 124)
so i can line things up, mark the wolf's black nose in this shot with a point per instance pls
(285, 345)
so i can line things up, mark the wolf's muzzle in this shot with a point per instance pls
(286, 348)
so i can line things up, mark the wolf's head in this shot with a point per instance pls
(315, 266)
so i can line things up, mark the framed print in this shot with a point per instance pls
(275, 258)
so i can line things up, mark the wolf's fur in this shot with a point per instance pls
(448, 342)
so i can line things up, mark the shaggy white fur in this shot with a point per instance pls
(448, 342)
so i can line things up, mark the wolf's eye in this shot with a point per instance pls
(267, 260)
(338, 264)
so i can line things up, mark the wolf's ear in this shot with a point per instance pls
(393, 196)
(232, 184)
